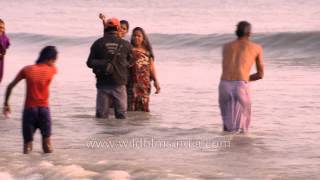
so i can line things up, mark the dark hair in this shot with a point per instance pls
(47, 53)
(125, 22)
(111, 29)
(243, 29)
(1, 21)
(146, 43)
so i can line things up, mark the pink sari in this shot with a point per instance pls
(4, 45)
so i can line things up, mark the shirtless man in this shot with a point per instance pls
(234, 91)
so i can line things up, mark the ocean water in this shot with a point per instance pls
(181, 138)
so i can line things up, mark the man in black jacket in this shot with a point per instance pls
(111, 52)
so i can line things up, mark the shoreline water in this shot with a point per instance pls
(268, 133)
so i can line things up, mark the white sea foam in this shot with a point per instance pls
(6, 176)
(102, 162)
(116, 175)
(47, 170)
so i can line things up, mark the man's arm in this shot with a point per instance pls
(260, 68)
(6, 106)
(103, 19)
(93, 62)
(130, 55)
(96, 63)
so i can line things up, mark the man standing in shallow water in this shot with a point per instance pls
(111, 50)
(234, 91)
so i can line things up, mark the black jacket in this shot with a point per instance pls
(102, 51)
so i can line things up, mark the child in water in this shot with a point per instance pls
(36, 113)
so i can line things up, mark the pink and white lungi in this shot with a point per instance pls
(235, 105)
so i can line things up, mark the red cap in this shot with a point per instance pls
(113, 22)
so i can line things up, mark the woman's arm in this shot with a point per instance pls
(154, 77)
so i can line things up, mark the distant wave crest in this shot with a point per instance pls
(287, 42)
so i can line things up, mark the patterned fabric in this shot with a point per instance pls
(139, 87)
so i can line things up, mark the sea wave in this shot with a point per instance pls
(275, 44)
(306, 42)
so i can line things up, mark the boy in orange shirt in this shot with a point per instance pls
(36, 112)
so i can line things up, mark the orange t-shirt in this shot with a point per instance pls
(38, 79)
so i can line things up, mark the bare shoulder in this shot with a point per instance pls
(228, 45)
(256, 46)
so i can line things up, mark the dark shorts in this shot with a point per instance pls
(34, 118)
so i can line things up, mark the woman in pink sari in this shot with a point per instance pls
(4, 45)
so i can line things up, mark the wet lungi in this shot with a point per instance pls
(235, 105)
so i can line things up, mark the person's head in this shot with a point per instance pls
(112, 25)
(2, 27)
(140, 39)
(124, 28)
(243, 29)
(48, 55)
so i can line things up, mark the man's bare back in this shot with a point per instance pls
(238, 58)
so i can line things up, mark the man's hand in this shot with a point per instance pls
(255, 77)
